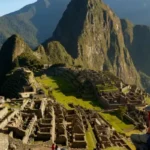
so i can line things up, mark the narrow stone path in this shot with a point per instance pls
(53, 125)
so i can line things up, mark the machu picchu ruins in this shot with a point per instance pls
(43, 119)
(110, 91)
(34, 117)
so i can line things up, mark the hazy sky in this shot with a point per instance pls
(7, 6)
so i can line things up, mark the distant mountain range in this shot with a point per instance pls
(35, 22)
(137, 11)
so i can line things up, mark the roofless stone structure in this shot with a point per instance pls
(41, 119)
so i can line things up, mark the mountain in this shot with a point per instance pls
(14, 53)
(92, 34)
(57, 54)
(137, 40)
(88, 35)
(136, 11)
(34, 23)
(11, 49)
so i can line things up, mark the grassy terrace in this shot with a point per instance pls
(107, 88)
(65, 94)
(147, 99)
(90, 138)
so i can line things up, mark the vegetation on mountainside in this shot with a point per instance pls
(30, 23)
(41, 55)
(138, 48)
(95, 39)
(57, 54)
(27, 59)
(121, 112)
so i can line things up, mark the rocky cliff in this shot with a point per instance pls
(11, 49)
(14, 53)
(137, 39)
(19, 80)
(92, 34)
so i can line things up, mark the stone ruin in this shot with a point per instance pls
(42, 119)
(136, 117)
(113, 100)
(45, 120)
(105, 134)
(86, 81)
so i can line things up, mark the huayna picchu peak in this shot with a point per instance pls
(92, 34)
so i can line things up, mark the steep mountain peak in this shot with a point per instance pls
(92, 33)
(10, 50)
(14, 47)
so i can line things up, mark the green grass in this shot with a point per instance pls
(107, 88)
(65, 93)
(90, 138)
(147, 99)
(118, 124)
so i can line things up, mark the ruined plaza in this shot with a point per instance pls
(35, 118)
(44, 120)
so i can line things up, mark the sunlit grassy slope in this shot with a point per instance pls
(147, 100)
(90, 138)
(118, 124)
(65, 94)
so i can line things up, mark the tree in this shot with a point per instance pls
(121, 111)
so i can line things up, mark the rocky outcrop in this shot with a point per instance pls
(16, 53)
(20, 80)
(92, 34)
(11, 49)
(41, 54)
(137, 39)
(57, 54)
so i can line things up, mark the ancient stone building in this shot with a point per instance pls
(43, 119)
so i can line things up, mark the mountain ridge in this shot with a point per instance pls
(31, 23)
(92, 34)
